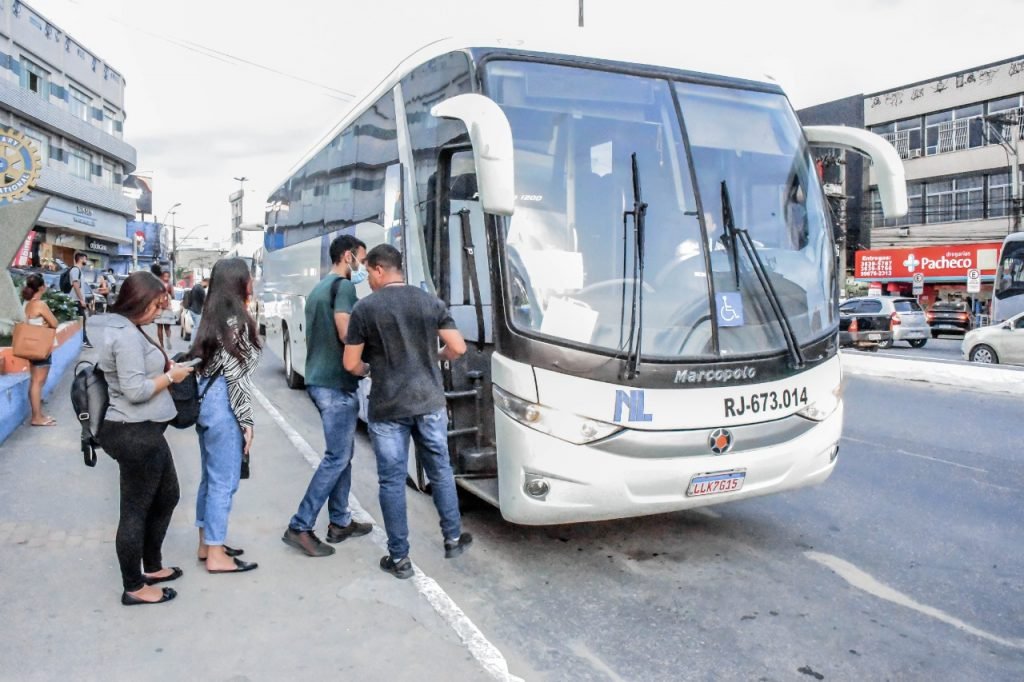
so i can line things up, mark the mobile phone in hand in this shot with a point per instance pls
(191, 363)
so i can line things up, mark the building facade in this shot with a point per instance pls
(69, 105)
(961, 140)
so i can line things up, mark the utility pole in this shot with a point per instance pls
(581, 13)
(1011, 144)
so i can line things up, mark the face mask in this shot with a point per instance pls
(359, 273)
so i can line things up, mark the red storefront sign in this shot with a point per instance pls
(23, 258)
(950, 262)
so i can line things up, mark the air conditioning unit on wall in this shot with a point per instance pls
(915, 154)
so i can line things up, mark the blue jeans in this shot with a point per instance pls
(196, 317)
(220, 446)
(332, 480)
(391, 446)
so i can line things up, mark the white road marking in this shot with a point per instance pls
(481, 649)
(918, 455)
(869, 584)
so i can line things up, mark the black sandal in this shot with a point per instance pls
(175, 574)
(169, 593)
(240, 567)
(230, 551)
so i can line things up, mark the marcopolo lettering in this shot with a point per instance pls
(702, 376)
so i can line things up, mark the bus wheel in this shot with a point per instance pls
(293, 379)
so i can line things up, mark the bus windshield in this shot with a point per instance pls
(571, 245)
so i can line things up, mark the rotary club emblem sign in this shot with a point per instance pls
(19, 165)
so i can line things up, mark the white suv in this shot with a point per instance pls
(906, 320)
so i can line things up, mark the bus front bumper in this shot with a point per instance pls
(581, 483)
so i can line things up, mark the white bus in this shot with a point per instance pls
(1008, 290)
(640, 258)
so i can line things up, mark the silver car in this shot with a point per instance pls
(907, 319)
(997, 343)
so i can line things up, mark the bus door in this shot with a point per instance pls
(460, 266)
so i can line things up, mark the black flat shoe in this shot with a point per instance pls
(230, 551)
(240, 567)
(175, 574)
(169, 593)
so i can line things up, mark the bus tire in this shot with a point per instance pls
(291, 377)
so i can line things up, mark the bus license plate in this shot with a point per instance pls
(715, 483)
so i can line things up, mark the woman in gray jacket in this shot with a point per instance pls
(138, 373)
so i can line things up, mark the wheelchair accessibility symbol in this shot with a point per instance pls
(730, 309)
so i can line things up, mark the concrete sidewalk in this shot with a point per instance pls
(338, 617)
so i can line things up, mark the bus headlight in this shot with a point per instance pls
(558, 423)
(823, 409)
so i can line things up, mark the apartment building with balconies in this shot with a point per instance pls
(69, 103)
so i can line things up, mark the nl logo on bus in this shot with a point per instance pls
(633, 401)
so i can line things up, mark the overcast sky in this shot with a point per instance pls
(198, 120)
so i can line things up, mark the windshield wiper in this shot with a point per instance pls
(734, 235)
(636, 319)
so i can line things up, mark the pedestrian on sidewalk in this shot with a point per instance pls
(333, 391)
(196, 301)
(228, 348)
(138, 373)
(81, 292)
(166, 317)
(397, 327)
(38, 313)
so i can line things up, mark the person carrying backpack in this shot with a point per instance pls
(138, 374)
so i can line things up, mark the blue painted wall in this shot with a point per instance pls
(14, 407)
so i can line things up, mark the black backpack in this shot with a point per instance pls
(65, 279)
(90, 400)
(187, 398)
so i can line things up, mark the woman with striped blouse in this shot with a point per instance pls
(228, 347)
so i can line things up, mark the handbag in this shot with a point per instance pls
(32, 341)
(187, 398)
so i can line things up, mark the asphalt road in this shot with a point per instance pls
(904, 565)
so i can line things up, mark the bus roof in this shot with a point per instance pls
(610, 54)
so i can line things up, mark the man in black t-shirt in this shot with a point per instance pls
(396, 330)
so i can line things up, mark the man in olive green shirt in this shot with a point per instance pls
(333, 391)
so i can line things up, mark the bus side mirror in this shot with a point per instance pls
(491, 135)
(892, 182)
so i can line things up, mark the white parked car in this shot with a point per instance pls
(997, 343)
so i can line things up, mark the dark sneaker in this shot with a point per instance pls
(307, 542)
(400, 569)
(354, 529)
(453, 548)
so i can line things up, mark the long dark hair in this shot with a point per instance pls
(136, 293)
(229, 289)
(33, 283)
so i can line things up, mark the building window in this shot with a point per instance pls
(79, 103)
(1011, 106)
(904, 135)
(108, 175)
(999, 195)
(969, 198)
(939, 202)
(79, 163)
(40, 139)
(108, 120)
(34, 78)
